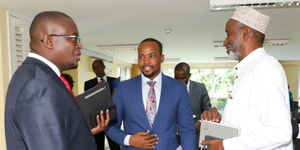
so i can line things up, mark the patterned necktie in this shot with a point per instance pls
(151, 103)
(67, 84)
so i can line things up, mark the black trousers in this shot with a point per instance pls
(100, 142)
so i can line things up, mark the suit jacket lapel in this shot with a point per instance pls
(191, 87)
(162, 101)
(140, 104)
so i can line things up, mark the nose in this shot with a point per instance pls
(225, 42)
(79, 45)
(146, 60)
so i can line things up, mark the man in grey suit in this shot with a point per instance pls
(40, 112)
(198, 94)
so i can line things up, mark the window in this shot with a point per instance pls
(218, 82)
(123, 72)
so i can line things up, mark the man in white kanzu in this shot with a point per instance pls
(259, 102)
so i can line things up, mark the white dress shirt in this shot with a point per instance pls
(46, 61)
(188, 86)
(145, 90)
(259, 105)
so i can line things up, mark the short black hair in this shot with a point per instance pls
(44, 16)
(183, 66)
(154, 40)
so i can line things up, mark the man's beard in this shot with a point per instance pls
(234, 52)
(234, 55)
(149, 75)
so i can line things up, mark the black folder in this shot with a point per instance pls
(92, 101)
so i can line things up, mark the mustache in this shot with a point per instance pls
(78, 53)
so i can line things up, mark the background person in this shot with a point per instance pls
(98, 68)
(198, 94)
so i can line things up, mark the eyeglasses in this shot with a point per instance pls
(76, 38)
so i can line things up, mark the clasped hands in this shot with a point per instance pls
(213, 115)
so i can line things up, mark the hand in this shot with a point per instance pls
(197, 126)
(214, 144)
(101, 122)
(211, 114)
(143, 140)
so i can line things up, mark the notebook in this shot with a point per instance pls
(92, 101)
(212, 130)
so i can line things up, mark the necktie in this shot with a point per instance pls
(100, 80)
(67, 84)
(151, 103)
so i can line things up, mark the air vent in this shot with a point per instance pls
(217, 5)
(222, 59)
(268, 42)
(118, 47)
(168, 60)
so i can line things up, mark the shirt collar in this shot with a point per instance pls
(104, 78)
(249, 58)
(157, 79)
(188, 85)
(46, 61)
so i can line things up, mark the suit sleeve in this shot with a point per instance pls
(295, 129)
(114, 129)
(39, 119)
(186, 127)
(205, 98)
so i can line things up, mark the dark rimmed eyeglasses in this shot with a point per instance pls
(76, 38)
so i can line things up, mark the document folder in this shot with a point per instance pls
(92, 101)
(212, 130)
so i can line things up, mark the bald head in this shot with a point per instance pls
(41, 19)
(98, 68)
(54, 36)
(183, 66)
(43, 24)
(182, 72)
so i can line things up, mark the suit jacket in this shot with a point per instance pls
(174, 109)
(93, 82)
(40, 112)
(199, 99)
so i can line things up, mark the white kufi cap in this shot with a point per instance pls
(251, 18)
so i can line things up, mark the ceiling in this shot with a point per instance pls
(193, 26)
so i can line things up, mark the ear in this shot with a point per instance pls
(162, 58)
(47, 41)
(247, 32)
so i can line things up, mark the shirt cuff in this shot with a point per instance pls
(126, 140)
(298, 136)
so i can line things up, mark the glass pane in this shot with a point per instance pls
(169, 72)
(223, 80)
(219, 103)
(203, 75)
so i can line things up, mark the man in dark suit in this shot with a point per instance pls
(40, 113)
(296, 133)
(152, 106)
(98, 68)
(198, 94)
